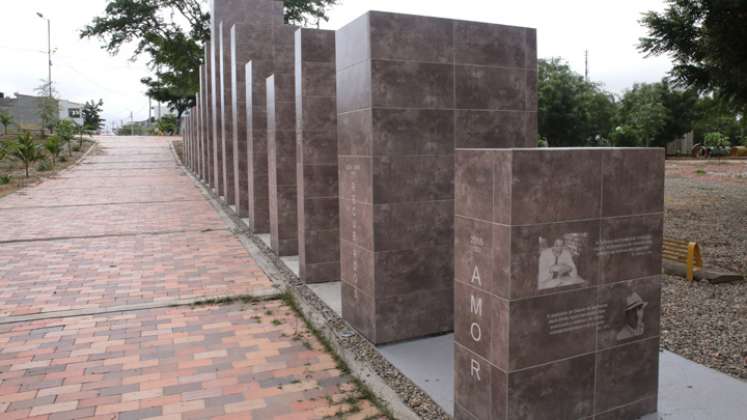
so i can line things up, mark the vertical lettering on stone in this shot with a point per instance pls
(476, 277)
(475, 369)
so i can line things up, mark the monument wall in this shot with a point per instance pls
(201, 117)
(272, 53)
(409, 90)
(247, 41)
(226, 104)
(316, 152)
(207, 98)
(215, 112)
(557, 282)
(281, 148)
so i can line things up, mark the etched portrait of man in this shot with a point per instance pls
(557, 267)
(634, 311)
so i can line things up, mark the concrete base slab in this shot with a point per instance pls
(687, 390)
(429, 362)
(292, 263)
(265, 238)
(329, 293)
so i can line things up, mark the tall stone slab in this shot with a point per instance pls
(201, 117)
(211, 117)
(557, 282)
(277, 56)
(218, 11)
(249, 41)
(409, 90)
(226, 128)
(281, 154)
(316, 152)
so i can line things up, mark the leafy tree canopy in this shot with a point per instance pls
(654, 114)
(91, 113)
(171, 33)
(707, 39)
(572, 111)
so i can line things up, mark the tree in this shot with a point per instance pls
(167, 125)
(49, 112)
(54, 148)
(707, 40)
(65, 132)
(572, 111)
(25, 150)
(6, 120)
(715, 115)
(654, 114)
(171, 33)
(642, 116)
(91, 113)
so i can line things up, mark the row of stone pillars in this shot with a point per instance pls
(354, 149)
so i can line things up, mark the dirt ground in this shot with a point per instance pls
(706, 201)
(14, 168)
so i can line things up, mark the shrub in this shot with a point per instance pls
(54, 148)
(4, 179)
(44, 166)
(25, 150)
(716, 140)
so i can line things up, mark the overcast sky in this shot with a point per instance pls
(82, 71)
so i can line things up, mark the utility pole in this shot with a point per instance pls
(586, 71)
(132, 124)
(150, 112)
(49, 51)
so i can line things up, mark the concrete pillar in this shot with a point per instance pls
(410, 89)
(557, 282)
(316, 152)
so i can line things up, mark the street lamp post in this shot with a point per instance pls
(49, 50)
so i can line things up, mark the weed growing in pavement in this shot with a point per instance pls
(362, 390)
(700, 172)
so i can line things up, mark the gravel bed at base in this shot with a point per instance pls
(707, 323)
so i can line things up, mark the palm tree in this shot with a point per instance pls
(66, 132)
(26, 151)
(54, 147)
(6, 120)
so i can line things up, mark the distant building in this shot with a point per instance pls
(681, 146)
(25, 111)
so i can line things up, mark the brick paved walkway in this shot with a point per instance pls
(128, 227)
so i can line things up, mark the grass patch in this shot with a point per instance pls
(700, 172)
(362, 390)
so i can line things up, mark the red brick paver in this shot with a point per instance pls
(129, 227)
(253, 361)
(100, 272)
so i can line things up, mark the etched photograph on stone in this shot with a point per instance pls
(632, 311)
(558, 260)
(635, 310)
